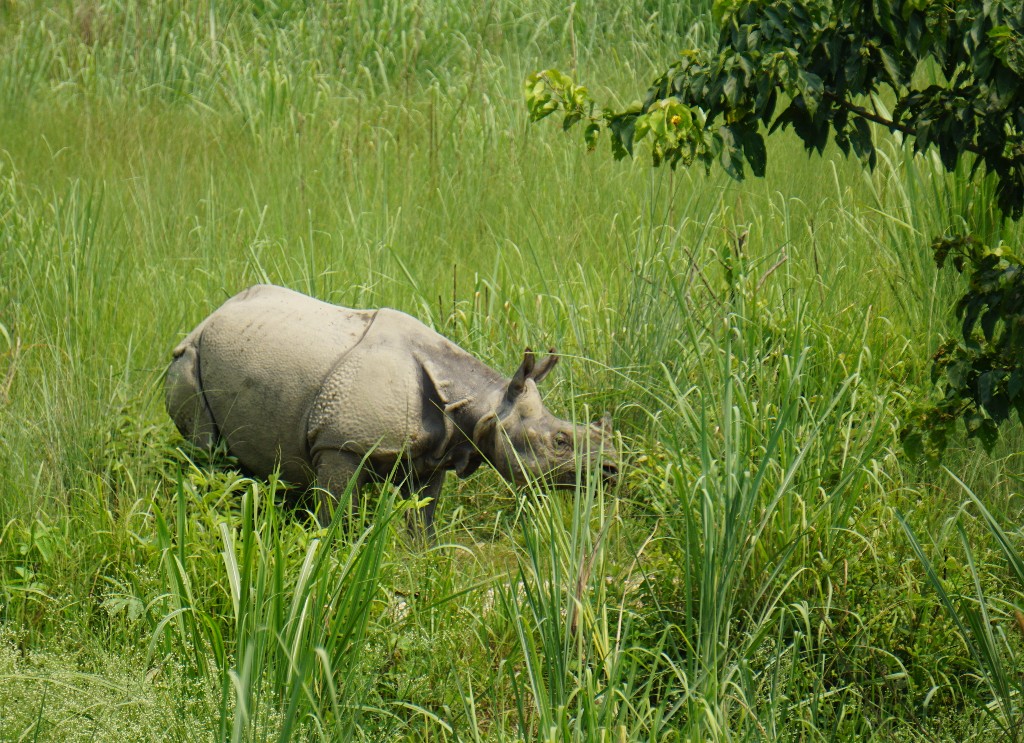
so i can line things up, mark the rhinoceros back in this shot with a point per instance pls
(263, 357)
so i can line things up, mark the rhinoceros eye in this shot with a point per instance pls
(562, 440)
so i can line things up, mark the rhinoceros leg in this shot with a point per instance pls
(186, 403)
(334, 471)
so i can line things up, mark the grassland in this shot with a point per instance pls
(770, 567)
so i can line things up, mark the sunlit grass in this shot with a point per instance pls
(757, 344)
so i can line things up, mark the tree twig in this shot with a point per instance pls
(892, 125)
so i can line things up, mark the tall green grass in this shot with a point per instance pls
(288, 649)
(770, 565)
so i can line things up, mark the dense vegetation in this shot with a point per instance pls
(953, 75)
(771, 566)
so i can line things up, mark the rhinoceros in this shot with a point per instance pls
(324, 394)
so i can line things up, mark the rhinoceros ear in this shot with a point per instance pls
(541, 370)
(524, 372)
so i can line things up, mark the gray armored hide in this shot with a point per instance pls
(325, 394)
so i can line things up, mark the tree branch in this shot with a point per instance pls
(892, 125)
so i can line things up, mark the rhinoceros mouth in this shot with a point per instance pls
(568, 477)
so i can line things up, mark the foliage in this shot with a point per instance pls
(989, 625)
(982, 374)
(823, 68)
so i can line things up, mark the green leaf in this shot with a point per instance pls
(1015, 384)
(578, 96)
(913, 443)
(983, 429)
(656, 123)
(1008, 47)
(731, 91)
(988, 323)
(753, 148)
(958, 373)
(539, 96)
(892, 67)
(730, 158)
(722, 10)
(986, 386)
(973, 306)
(811, 88)
(621, 128)
(641, 128)
(862, 143)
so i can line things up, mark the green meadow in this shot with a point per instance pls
(770, 566)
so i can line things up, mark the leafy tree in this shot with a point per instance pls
(816, 66)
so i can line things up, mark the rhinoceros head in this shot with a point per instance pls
(522, 440)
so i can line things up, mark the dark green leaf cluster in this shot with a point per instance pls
(818, 61)
(981, 374)
(809, 65)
